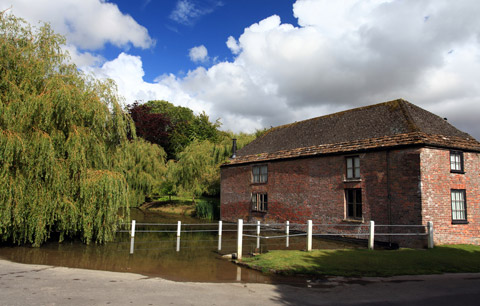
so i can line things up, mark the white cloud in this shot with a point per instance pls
(127, 71)
(342, 55)
(198, 54)
(232, 44)
(83, 59)
(87, 24)
(187, 12)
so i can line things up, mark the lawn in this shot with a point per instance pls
(360, 262)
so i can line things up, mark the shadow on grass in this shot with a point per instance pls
(354, 264)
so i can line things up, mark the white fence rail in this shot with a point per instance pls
(258, 228)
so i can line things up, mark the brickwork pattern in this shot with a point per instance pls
(437, 182)
(314, 188)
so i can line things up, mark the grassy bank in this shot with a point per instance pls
(205, 208)
(354, 262)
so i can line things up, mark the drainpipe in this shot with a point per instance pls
(234, 148)
(389, 201)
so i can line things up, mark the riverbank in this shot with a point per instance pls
(22, 284)
(357, 262)
(170, 208)
(204, 208)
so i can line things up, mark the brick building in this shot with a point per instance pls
(394, 163)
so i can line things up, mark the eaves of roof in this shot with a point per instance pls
(370, 144)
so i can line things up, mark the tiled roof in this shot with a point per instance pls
(385, 125)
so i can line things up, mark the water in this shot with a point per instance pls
(195, 257)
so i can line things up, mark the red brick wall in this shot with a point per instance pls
(437, 182)
(313, 188)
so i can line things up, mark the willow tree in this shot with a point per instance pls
(197, 171)
(65, 165)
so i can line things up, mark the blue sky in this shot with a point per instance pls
(210, 24)
(262, 63)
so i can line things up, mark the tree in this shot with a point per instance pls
(197, 171)
(153, 127)
(185, 126)
(66, 164)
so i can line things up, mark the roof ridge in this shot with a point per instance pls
(411, 124)
(398, 101)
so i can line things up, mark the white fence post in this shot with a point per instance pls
(220, 224)
(258, 228)
(239, 239)
(132, 230)
(179, 228)
(430, 234)
(132, 245)
(309, 235)
(371, 236)
(287, 232)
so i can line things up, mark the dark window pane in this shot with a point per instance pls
(350, 196)
(350, 210)
(359, 211)
(358, 193)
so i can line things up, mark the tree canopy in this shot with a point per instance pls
(66, 163)
(197, 171)
(185, 127)
(153, 127)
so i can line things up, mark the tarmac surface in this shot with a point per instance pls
(22, 284)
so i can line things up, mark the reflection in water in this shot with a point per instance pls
(194, 256)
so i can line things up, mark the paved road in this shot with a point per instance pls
(22, 284)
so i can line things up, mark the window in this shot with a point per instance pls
(259, 202)
(456, 161)
(353, 199)
(353, 167)
(259, 174)
(459, 207)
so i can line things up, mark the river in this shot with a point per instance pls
(195, 258)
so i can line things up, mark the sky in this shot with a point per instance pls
(259, 63)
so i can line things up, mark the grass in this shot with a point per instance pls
(205, 208)
(356, 262)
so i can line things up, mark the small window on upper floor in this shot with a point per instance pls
(353, 167)
(456, 162)
(259, 174)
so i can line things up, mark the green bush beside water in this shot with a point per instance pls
(208, 208)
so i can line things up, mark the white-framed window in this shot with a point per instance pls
(259, 174)
(353, 167)
(459, 206)
(259, 202)
(456, 161)
(353, 199)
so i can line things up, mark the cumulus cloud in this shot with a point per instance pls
(198, 54)
(232, 44)
(187, 12)
(83, 59)
(87, 24)
(127, 71)
(342, 54)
